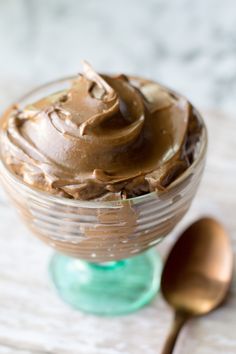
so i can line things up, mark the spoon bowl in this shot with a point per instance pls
(197, 273)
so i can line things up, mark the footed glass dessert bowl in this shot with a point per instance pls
(104, 261)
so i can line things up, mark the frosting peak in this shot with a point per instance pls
(105, 137)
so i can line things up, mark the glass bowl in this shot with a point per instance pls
(103, 262)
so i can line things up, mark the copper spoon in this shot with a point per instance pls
(197, 274)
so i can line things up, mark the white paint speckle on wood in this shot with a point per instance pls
(34, 320)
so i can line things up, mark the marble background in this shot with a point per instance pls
(188, 45)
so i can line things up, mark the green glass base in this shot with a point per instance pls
(112, 288)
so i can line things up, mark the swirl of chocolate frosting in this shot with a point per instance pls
(106, 137)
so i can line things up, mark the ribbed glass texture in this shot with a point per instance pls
(103, 231)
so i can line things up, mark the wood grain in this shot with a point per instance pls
(34, 320)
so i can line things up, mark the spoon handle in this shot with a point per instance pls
(179, 320)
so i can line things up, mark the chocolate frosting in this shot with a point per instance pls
(106, 137)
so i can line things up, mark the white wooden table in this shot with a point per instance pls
(34, 320)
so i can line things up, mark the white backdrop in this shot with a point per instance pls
(188, 45)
